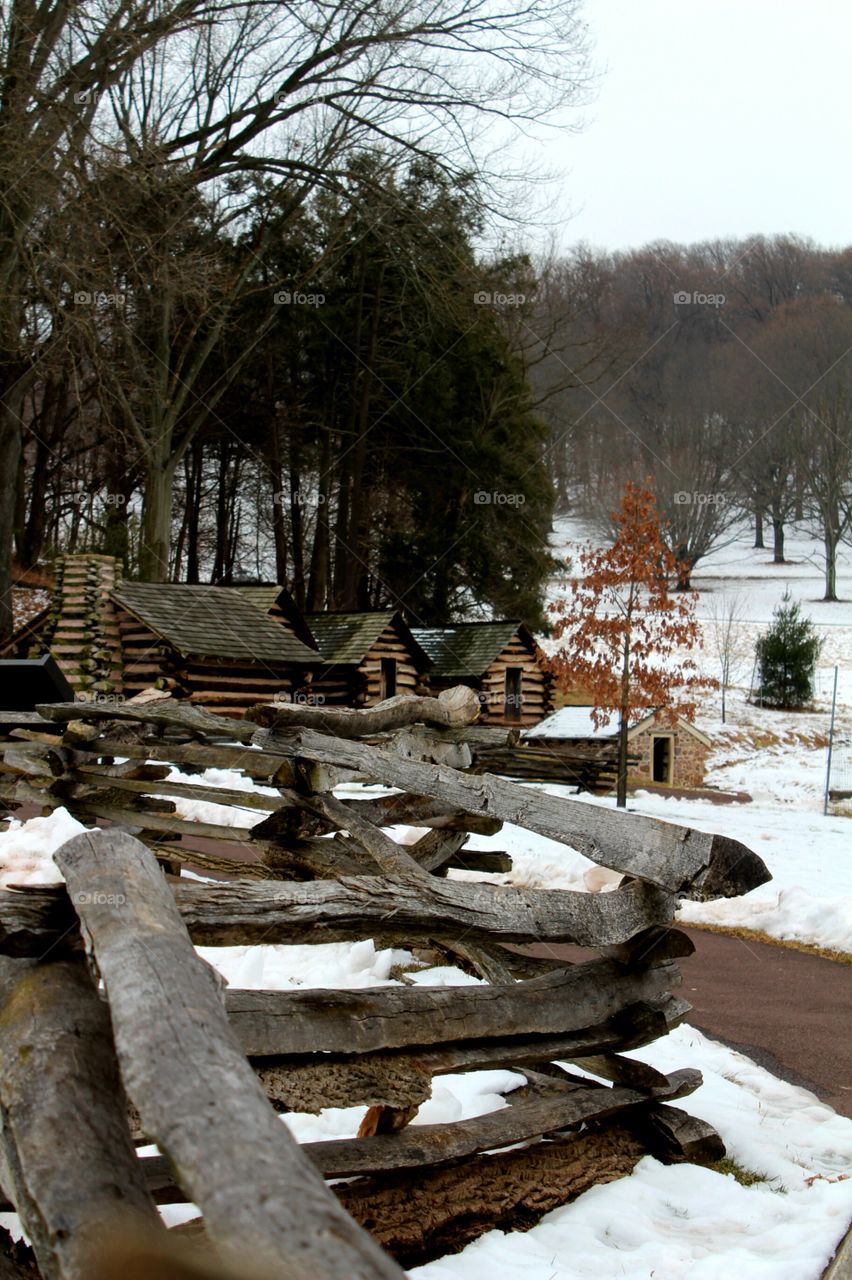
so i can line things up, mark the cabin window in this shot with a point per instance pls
(512, 701)
(388, 688)
(661, 758)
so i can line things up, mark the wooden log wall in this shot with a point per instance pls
(535, 687)
(82, 631)
(390, 645)
(201, 1068)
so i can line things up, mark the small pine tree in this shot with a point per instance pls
(786, 658)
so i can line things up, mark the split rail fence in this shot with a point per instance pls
(167, 1055)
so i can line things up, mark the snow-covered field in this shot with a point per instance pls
(661, 1223)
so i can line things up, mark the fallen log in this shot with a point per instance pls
(421, 1216)
(404, 1076)
(59, 1076)
(419, 1146)
(452, 707)
(194, 720)
(179, 1060)
(240, 912)
(380, 1018)
(678, 859)
(357, 907)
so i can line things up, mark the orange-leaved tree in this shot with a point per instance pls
(621, 630)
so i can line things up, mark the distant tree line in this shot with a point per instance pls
(723, 370)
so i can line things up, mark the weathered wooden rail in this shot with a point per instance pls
(171, 1055)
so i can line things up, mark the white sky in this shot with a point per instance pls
(711, 118)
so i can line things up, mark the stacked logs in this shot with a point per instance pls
(201, 1072)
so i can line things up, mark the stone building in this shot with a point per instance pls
(669, 755)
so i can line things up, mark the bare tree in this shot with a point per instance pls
(808, 377)
(224, 92)
(726, 627)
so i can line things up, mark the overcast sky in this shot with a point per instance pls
(711, 118)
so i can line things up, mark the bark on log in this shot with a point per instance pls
(168, 714)
(357, 907)
(179, 1060)
(458, 706)
(678, 1136)
(404, 1076)
(675, 858)
(240, 912)
(364, 1021)
(419, 1146)
(59, 1077)
(207, 755)
(418, 1217)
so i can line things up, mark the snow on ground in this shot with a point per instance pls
(684, 1222)
(345, 965)
(27, 848)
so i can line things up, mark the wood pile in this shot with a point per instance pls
(202, 1071)
(593, 769)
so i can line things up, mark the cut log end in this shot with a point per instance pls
(733, 870)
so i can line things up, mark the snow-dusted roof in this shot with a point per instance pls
(574, 724)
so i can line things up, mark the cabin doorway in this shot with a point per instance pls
(512, 698)
(388, 682)
(662, 758)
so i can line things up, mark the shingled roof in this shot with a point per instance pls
(468, 648)
(346, 638)
(213, 622)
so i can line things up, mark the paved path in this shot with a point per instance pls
(788, 1010)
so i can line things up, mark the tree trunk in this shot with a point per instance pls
(33, 539)
(317, 595)
(778, 542)
(759, 544)
(20, 504)
(621, 784)
(194, 479)
(156, 538)
(279, 530)
(777, 539)
(359, 524)
(10, 452)
(830, 544)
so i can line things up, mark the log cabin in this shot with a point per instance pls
(366, 657)
(215, 646)
(501, 660)
(662, 753)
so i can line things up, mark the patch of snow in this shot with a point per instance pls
(27, 848)
(684, 1222)
(346, 965)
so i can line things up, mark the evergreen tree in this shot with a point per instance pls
(786, 657)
